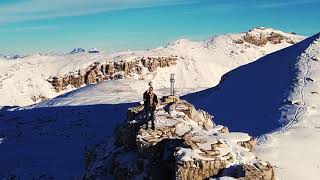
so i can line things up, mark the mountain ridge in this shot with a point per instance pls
(251, 85)
(26, 80)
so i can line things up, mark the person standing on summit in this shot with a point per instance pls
(150, 103)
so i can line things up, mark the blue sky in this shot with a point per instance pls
(29, 26)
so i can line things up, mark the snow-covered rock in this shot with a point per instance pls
(261, 36)
(185, 144)
(99, 72)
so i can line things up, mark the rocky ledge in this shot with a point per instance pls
(98, 71)
(186, 144)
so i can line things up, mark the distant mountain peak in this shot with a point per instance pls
(13, 56)
(77, 50)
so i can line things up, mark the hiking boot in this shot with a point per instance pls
(153, 128)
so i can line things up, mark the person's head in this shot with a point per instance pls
(150, 89)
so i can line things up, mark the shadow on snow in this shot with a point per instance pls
(52, 140)
(248, 98)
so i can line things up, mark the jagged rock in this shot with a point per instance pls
(199, 169)
(238, 41)
(76, 81)
(38, 98)
(57, 83)
(251, 144)
(90, 77)
(262, 38)
(258, 171)
(185, 144)
(98, 72)
(256, 40)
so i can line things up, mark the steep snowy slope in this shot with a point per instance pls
(199, 65)
(296, 149)
(277, 92)
(254, 93)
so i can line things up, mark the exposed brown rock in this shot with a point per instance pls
(199, 169)
(258, 171)
(263, 39)
(238, 41)
(38, 98)
(256, 40)
(249, 144)
(98, 72)
(90, 78)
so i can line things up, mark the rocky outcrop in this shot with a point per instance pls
(185, 144)
(98, 72)
(258, 171)
(262, 36)
(261, 40)
(38, 98)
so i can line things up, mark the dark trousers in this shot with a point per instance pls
(150, 115)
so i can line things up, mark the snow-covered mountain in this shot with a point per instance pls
(56, 138)
(199, 65)
(278, 93)
(48, 140)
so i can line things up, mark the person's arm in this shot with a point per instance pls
(155, 100)
(144, 96)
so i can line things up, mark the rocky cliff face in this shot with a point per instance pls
(185, 145)
(98, 72)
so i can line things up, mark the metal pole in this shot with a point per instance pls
(172, 80)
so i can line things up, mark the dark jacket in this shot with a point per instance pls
(147, 99)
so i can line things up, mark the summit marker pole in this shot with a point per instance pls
(172, 80)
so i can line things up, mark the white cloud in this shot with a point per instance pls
(45, 9)
(29, 28)
(285, 3)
